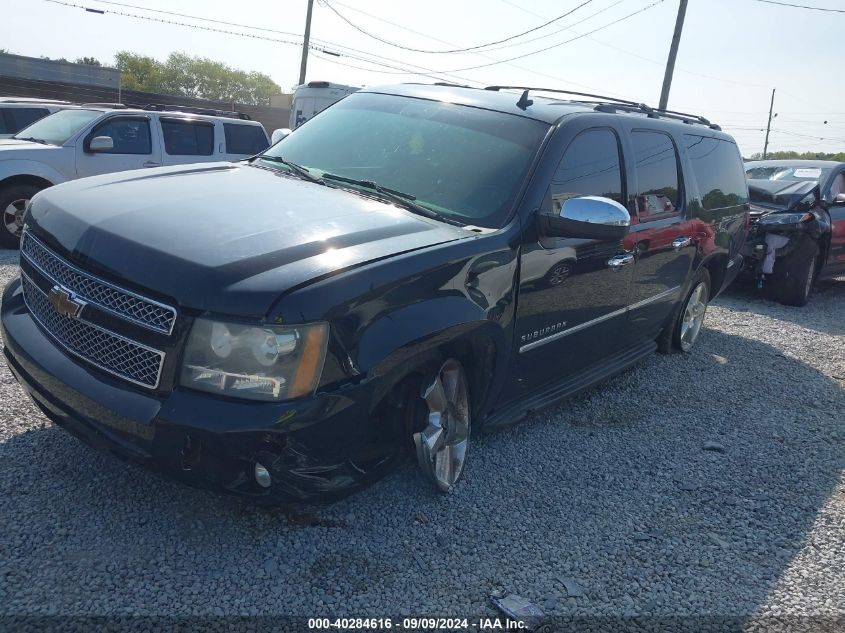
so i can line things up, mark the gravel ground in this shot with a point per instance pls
(702, 485)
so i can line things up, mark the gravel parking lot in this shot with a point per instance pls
(702, 485)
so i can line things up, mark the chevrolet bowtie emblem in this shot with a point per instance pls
(65, 303)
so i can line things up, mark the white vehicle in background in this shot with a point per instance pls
(99, 139)
(18, 112)
(315, 96)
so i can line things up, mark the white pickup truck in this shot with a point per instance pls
(92, 140)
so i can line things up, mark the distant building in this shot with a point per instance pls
(36, 69)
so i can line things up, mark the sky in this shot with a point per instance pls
(732, 52)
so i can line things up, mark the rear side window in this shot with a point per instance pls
(130, 136)
(187, 138)
(718, 170)
(244, 139)
(657, 173)
(591, 166)
(21, 117)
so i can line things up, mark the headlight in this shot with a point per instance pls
(785, 218)
(256, 362)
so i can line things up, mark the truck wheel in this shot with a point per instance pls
(794, 275)
(13, 201)
(443, 444)
(682, 330)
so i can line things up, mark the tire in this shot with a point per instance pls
(672, 338)
(442, 445)
(795, 274)
(13, 200)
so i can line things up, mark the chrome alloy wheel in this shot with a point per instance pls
(442, 445)
(13, 216)
(693, 316)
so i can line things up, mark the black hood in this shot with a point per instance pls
(779, 195)
(222, 237)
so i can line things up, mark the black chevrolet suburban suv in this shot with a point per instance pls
(416, 262)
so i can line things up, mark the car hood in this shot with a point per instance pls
(779, 195)
(19, 149)
(222, 237)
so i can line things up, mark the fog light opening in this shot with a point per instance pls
(262, 475)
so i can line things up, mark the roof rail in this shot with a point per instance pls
(231, 114)
(607, 104)
(115, 106)
(656, 113)
(566, 92)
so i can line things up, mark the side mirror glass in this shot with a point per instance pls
(101, 144)
(588, 217)
(278, 135)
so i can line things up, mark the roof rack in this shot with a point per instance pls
(612, 104)
(115, 106)
(231, 114)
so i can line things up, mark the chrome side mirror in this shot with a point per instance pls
(588, 217)
(278, 135)
(839, 198)
(101, 144)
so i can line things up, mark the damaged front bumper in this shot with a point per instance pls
(314, 449)
(775, 235)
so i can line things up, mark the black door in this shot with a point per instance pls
(573, 292)
(835, 264)
(661, 237)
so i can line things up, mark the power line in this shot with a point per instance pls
(480, 54)
(802, 6)
(328, 5)
(411, 69)
(547, 48)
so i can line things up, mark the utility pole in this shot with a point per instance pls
(673, 53)
(304, 64)
(769, 125)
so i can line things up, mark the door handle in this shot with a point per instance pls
(151, 163)
(618, 261)
(681, 242)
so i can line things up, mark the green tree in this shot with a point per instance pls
(199, 77)
(88, 61)
(793, 155)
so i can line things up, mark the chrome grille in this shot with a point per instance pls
(145, 312)
(108, 351)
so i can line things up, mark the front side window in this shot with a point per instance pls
(130, 136)
(244, 139)
(463, 162)
(591, 166)
(656, 163)
(60, 126)
(718, 171)
(187, 138)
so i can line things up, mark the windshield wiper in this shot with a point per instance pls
(297, 169)
(400, 198)
(32, 139)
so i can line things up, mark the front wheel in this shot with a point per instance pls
(794, 275)
(682, 331)
(443, 444)
(13, 201)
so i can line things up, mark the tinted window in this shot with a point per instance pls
(657, 173)
(718, 170)
(244, 139)
(590, 167)
(130, 136)
(21, 117)
(466, 163)
(187, 138)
